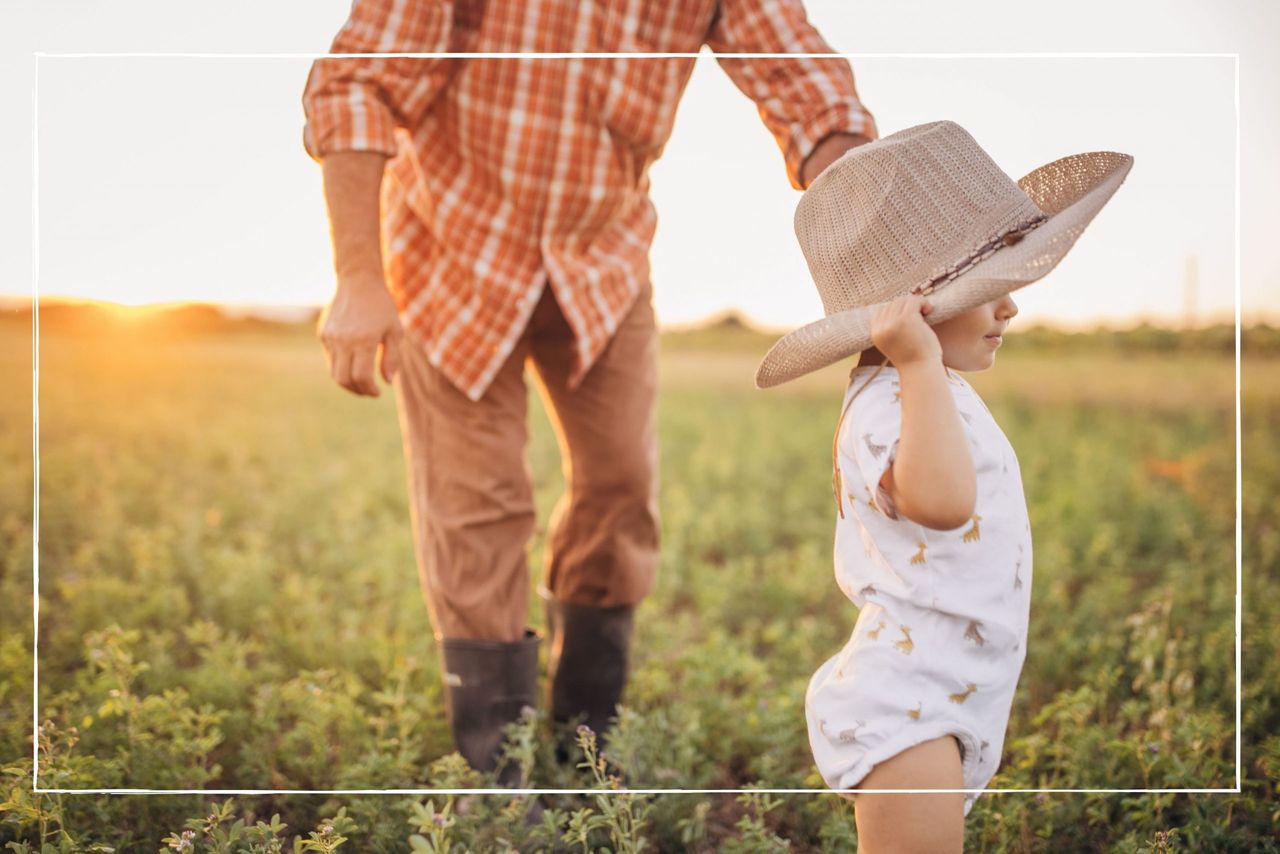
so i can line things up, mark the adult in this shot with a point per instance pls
(515, 227)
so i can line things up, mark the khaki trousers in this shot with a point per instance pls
(470, 495)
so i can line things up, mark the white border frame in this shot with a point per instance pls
(35, 412)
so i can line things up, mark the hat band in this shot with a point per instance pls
(982, 253)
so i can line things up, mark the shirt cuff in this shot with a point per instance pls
(349, 124)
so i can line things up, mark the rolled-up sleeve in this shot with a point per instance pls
(801, 100)
(356, 103)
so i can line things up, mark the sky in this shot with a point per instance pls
(182, 178)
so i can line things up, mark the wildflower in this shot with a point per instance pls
(328, 828)
(182, 843)
(440, 820)
(1153, 747)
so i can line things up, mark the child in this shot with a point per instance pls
(933, 542)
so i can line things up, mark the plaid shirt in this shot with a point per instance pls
(511, 174)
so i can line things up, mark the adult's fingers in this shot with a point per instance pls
(328, 354)
(362, 381)
(340, 365)
(391, 354)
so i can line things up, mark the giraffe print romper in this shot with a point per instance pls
(942, 624)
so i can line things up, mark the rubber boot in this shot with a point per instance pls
(588, 661)
(487, 685)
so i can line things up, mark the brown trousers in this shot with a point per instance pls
(471, 498)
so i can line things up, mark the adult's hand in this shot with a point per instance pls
(831, 149)
(361, 318)
(358, 322)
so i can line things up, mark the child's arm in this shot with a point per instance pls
(932, 480)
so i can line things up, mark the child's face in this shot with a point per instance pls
(970, 340)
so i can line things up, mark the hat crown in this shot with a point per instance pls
(893, 215)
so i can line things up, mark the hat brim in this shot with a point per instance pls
(1070, 191)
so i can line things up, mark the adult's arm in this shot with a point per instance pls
(362, 316)
(353, 106)
(810, 105)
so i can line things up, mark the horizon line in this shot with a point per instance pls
(294, 313)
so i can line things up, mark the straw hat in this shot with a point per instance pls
(927, 211)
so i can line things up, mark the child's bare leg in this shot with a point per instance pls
(891, 823)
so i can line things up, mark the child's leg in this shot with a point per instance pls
(896, 823)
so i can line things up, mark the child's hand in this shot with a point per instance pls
(899, 331)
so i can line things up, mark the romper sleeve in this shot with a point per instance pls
(802, 100)
(356, 103)
(868, 443)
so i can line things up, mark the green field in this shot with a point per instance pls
(228, 600)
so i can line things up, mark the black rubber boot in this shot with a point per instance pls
(487, 684)
(587, 665)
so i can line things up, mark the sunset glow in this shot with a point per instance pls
(213, 199)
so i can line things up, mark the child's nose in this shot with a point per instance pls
(1006, 308)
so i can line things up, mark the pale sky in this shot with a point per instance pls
(184, 178)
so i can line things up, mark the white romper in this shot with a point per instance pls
(942, 625)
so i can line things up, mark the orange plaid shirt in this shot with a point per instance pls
(511, 174)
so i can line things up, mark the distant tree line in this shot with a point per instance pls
(1259, 339)
(728, 332)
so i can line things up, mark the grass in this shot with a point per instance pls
(228, 599)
